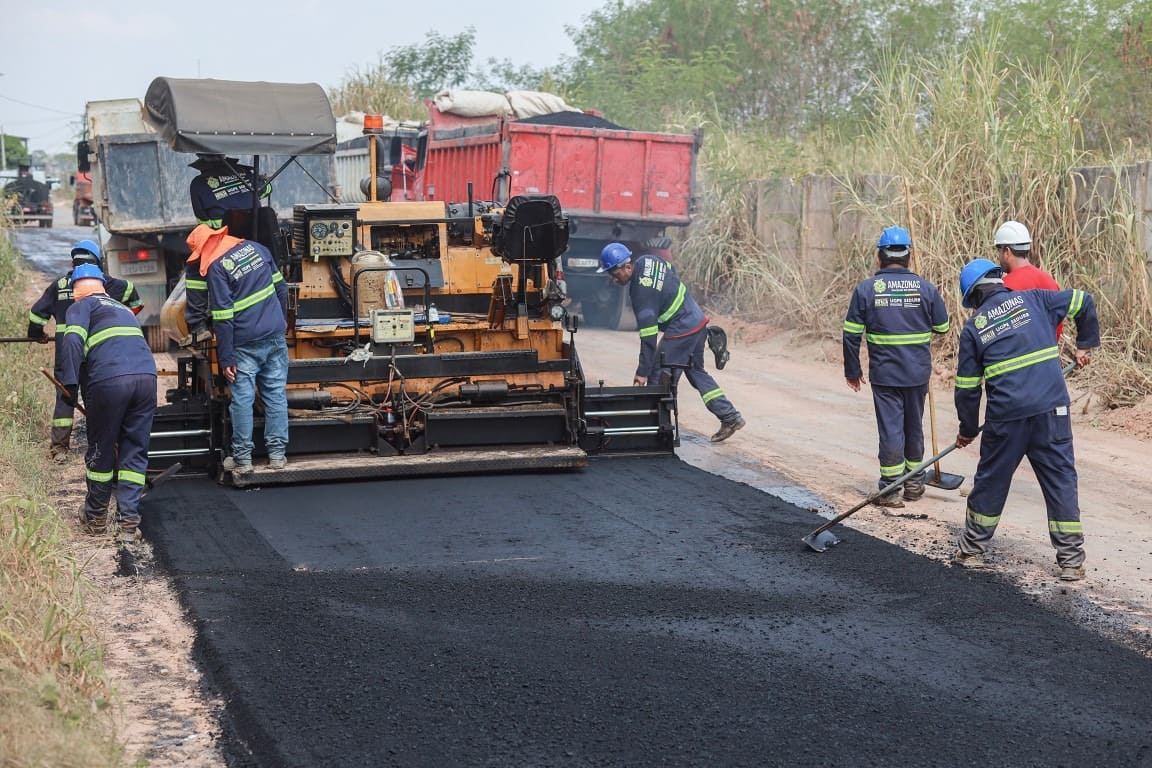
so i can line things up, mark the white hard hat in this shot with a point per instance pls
(1014, 235)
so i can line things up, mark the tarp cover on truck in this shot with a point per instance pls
(229, 117)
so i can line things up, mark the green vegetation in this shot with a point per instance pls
(53, 695)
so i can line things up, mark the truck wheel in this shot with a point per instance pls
(76, 212)
(157, 340)
(614, 314)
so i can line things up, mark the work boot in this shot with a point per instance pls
(277, 462)
(1071, 572)
(129, 529)
(95, 526)
(891, 500)
(728, 428)
(718, 343)
(913, 489)
(231, 465)
(59, 453)
(970, 562)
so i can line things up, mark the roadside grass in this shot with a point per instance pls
(54, 697)
(972, 139)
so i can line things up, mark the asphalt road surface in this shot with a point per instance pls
(637, 613)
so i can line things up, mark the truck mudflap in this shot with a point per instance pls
(329, 467)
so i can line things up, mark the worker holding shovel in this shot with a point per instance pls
(897, 311)
(1008, 344)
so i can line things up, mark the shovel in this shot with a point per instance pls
(820, 539)
(937, 479)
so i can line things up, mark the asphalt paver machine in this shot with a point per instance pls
(425, 338)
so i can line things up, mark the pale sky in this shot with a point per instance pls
(55, 55)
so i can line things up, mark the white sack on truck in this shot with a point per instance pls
(535, 103)
(472, 103)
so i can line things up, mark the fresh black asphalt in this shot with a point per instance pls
(636, 613)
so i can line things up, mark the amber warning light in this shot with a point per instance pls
(373, 123)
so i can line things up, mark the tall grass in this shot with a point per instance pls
(972, 139)
(53, 694)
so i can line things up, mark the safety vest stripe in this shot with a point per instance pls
(651, 330)
(943, 327)
(195, 285)
(213, 223)
(35, 318)
(109, 333)
(893, 471)
(898, 339)
(99, 477)
(676, 303)
(967, 382)
(128, 476)
(251, 299)
(1065, 526)
(855, 328)
(1076, 304)
(61, 422)
(79, 330)
(712, 394)
(984, 521)
(277, 277)
(1023, 361)
(128, 288)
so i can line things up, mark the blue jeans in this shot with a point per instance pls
(260, 364)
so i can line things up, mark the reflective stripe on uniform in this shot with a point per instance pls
(853, 328)
(252, 299)
(898, 339)
(967, 382)
(986, 521)
(669, 313)
(893, 471)
(1076, 304)
(711, 395)
(108, 333)
(35, 318)
(1023, 361)
(79, 330)
(943, 327)
(277, 277)
(99, 477)
(213, 223)
(61, 422)
(128, 288)
(223, 314)
(1065, 526)
(195, 285)
(128, 476)
(651, 330)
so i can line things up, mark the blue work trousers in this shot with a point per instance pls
(689, 351)
(900, 421)
(120, 412)
(263, 365)
(1046, 439)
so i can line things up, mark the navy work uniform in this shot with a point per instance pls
(104, 336)
(54, 304)
(219, 189)
(897, 311)
(1009, 345)
(663, 306)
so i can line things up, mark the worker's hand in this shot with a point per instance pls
(1083, 357)
(963, 441)
(230, 373)
(72, 398)
(854, 383)
(43, 338)
(639, 381)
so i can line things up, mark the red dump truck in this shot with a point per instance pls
(614, 183)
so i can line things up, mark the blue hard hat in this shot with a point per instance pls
(85, 272)
(613, 255)
(87, 250)
(973, 272)
(895, 238)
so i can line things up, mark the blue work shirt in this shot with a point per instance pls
(662, 305)
(248, 298)
(103, 335)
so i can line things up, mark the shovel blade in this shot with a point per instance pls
(818, 542)
(946, 481)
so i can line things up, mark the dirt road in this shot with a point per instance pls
(805, 423)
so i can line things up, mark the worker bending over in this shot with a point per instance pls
(120, 394)
(1008, 344)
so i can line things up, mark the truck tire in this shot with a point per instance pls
(76, 213)
(157, 340)
(614, 314)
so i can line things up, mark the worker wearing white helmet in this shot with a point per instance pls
(1014, 247)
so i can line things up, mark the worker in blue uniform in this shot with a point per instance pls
(663, 305)
(53, 304)
(223, 185)
(249, 304)
(1009, 345)
(897, 311)
(104, 336)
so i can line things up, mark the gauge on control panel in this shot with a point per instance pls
(319, 230)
